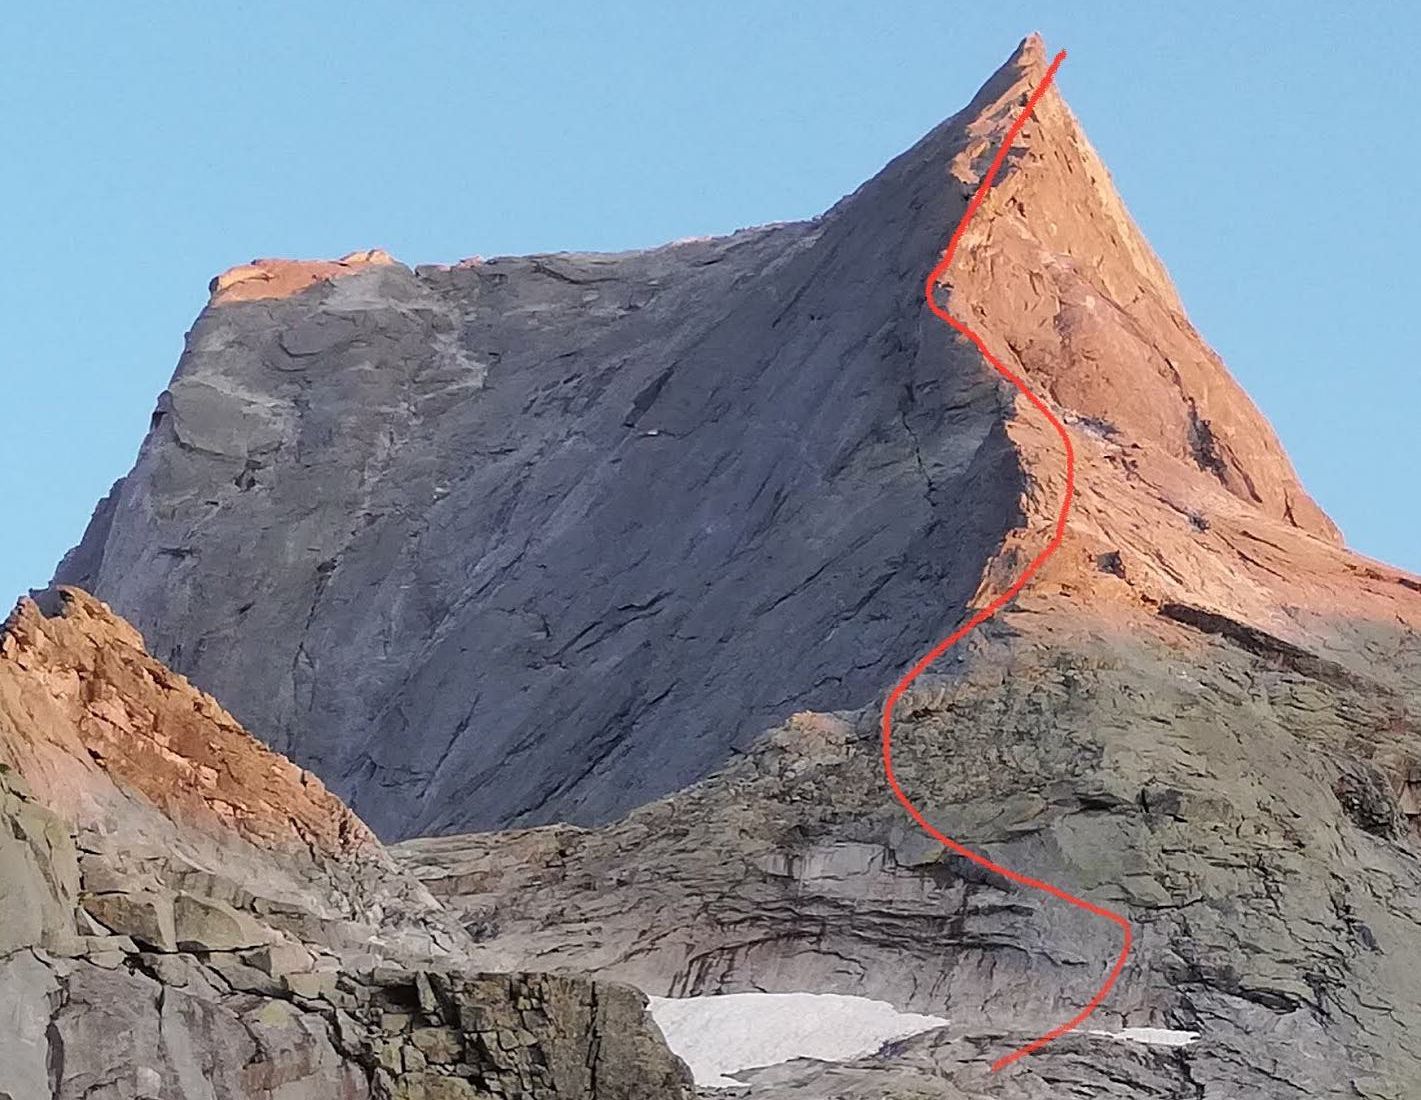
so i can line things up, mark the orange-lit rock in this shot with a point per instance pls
(91, 720)
(274, 278)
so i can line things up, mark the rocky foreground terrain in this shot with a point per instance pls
(186, 914)
(614, 558)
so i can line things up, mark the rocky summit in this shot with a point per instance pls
(582, 578)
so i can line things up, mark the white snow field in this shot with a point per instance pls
(1151, 1036)
(718, 1036)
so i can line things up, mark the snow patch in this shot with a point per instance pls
(1151, 1036)
(718, 1036)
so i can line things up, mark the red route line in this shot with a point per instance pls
(997, 604)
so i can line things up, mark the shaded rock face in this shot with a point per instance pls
(501, 527)
(183, 913)
(542, 538)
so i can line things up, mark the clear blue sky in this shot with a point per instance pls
(1269, 150)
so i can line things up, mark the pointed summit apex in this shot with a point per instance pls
(1058, 274)
(1028, 62)
(1018, 75)
(1031, 53)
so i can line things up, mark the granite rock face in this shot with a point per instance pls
(185, 914)
(547, 539)
(541, 538)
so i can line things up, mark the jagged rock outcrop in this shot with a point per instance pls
(185, 914)
(167, 790)
(277, 278)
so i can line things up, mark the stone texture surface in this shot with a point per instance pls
(184, 914)
(177, 807)
(262, 279)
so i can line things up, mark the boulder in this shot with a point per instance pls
(205, 924)
(144, 915)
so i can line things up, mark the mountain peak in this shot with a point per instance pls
(1060, 280)
(1002, 94)
(557, 539)
(1029, 57)
(467, 542)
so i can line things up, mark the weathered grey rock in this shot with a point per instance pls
(1179, 781)
(144, 915)
(27, 989)
(39, 873)
(281, 959)
(88, 1032)
(206, 924)
(22, 896)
